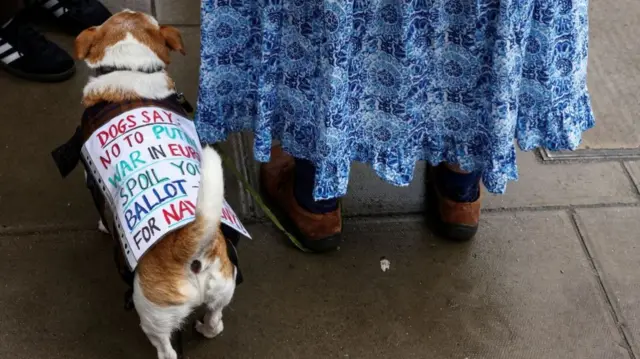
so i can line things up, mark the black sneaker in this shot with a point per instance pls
(73, 15)
(25, 53)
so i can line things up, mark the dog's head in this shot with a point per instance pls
(128, 54)
(128, 39)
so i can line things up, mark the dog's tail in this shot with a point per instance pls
(211, 192)
(192, 241)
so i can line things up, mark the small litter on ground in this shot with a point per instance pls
(384, 264)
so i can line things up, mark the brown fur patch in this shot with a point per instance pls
(219, 250)
(171, 85)
(112, 96)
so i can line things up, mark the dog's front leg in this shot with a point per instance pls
(102, 228)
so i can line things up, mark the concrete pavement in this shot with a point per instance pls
(526, 288)
(552, 273)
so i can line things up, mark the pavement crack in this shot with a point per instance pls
(627, 172)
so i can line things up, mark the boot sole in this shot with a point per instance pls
(59, 77)
(324, 245)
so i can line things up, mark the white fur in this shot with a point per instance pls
(211, 191)
(209, 287)
(129, 52)
(153, 20)
(150, 86)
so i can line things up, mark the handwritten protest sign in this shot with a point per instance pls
(147, 162)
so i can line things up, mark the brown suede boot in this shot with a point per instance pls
(456, 221)
(317, 232)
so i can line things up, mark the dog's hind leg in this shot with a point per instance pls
(162, 342)
(212, 325)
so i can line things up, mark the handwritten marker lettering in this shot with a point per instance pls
(149, 162)
(115, 129)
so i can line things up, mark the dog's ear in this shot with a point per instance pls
(172, 38)
(84, 41)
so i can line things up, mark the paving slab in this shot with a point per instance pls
(185, 12)
(612, 236)
(539, 185)
(523, 289)
(119, 5)
(38, 117)
(565, 184)
(614, 75)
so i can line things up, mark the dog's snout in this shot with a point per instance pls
(196, 266)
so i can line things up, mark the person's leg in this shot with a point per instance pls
(455, 198)
(304, 180)
(289, 183)
(459, 185)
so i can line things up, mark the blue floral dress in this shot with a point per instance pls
(391, 82)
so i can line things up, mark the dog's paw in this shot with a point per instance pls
(102, 228)
(209, 331)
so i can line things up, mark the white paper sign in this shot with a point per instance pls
(230, 219)
(147, 162)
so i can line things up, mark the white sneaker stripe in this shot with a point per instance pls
(11, 58)
(4, 48)
(49, 4)
(61, 11)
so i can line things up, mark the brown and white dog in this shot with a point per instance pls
(136, 50)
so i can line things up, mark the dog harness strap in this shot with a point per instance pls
(67, 155)
(232, 237)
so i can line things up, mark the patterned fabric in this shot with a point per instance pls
(390, 82)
